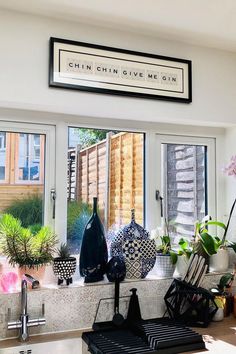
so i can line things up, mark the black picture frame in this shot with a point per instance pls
(179, 71)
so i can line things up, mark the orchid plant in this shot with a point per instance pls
(230, 170)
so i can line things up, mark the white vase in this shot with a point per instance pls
(219, 315)
(181, 266)
(219, 262)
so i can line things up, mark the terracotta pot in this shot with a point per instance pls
(36, 272)
(219, 262)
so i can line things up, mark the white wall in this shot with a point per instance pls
(24, 74)
(24, 44)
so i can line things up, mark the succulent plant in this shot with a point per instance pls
(63, 251)
(23, 247)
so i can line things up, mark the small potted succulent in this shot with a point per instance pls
(64, 266)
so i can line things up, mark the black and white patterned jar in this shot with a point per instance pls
(64, 269)
(132, 242)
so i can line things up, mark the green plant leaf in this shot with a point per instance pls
(166, 240)
(208, 243)
(183, 244)
(232, 245)
(174, 256)
(216, 223)
(225, 280)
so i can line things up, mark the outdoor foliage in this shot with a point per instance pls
(28, 210)
(78, 216)
(88, 137)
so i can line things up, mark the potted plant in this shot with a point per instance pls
(64, 266)
(166, 258)
(212, 247)
(29, 250)
(184, 252)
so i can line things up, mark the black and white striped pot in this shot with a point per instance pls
(64, 269)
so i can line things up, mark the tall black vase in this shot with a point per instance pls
(93, 254)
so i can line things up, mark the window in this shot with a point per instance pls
(30, 162)
(24, 182)
(2, 141)
(185, 192)
(184, 183)
(109, 165)
(36, 152)
(3, 156)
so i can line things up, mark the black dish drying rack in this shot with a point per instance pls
(161, 336)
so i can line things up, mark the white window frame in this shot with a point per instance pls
(210, 143)
(61, 123)
(49, 164)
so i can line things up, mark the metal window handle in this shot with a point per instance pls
(159, 198)
(53, 196)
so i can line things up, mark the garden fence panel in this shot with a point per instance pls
(113, 170)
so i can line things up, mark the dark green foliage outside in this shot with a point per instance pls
(28, 210)
(88, 137)
(30, 213)
(78, 214)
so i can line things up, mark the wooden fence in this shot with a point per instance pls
(11, 193)
(113, 171)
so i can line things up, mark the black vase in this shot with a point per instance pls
(93, 254)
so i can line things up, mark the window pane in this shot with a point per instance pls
(185, 190)
(19, 195)
(2, 156)
(108, 165)
(29, 163)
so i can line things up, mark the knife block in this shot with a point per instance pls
(188, 304)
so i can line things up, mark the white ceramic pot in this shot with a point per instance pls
(181, 266)
(219, 315)
(164, 268)
(219, 262)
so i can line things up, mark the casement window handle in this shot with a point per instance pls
(159, 198)
(53, 196)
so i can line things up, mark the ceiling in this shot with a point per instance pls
(208, 23)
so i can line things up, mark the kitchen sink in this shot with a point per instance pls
(63, 346)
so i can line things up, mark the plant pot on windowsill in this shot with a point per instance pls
(164, 267)
(29, 249)
(219, 262)
(35, 272)
(181, 265)
(64, 266)
(166, 258)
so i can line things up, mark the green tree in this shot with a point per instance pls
(88, 137)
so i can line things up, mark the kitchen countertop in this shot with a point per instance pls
(220, 337)
(43, 338)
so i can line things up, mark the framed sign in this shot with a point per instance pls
(96, 68)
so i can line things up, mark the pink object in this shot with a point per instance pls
(8, 282)
(230, 170)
